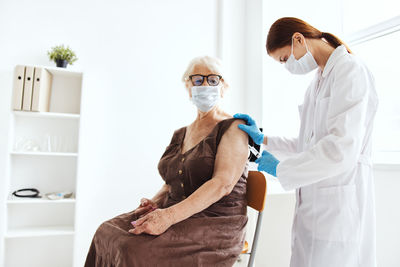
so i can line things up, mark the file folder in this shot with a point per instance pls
(28, 86)
(18, 86)
(41, 90)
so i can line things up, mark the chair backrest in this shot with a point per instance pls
(256, 190)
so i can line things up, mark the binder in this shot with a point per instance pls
(18, 86)
(28, 86)
(41, 90)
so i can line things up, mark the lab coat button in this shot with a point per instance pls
(180, 171)
(182, 185)
(183, 159)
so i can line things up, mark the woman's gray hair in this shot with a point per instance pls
(212, 63)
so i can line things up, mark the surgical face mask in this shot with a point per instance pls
(205, 97)
(303, 65)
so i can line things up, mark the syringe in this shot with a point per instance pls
(254, 151)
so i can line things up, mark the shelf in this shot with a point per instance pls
(40, 201)
(56, 154)
(59, 71)
(50, 115)
(43, 154)
(63, 71)
(40, 231)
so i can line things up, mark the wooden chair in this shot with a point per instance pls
(256, 194)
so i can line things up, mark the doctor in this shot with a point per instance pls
(330, 165)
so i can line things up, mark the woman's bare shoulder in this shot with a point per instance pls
(234, 134)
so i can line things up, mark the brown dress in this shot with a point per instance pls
(213, 237)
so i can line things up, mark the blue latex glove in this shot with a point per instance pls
(267, 163)
(251, 128)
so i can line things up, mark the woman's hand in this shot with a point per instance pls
(146, 206)
(154, 223)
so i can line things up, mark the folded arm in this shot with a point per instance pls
(161, 195)
(148, 205)
(230, 162)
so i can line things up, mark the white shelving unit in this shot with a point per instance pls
(39, 231)
(52, 154)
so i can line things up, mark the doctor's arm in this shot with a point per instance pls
(339, 150)
(229, 164)
(283, 144)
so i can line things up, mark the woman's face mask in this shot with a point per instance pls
(205, 97)
(303, 65)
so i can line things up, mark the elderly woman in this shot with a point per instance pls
(198, 217)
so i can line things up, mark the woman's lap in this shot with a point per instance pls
(200, 241)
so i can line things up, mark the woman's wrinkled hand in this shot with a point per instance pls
(146, 206)
(154, 223)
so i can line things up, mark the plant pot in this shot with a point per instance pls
(61, 63)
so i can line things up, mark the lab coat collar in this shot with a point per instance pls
(333, 58)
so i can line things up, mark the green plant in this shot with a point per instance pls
(59, 52)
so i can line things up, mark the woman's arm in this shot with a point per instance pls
(230, 161)
(229, 164)
(147, 205)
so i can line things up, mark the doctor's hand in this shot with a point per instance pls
(154, 223)
(251, 128)
(267, 163)
(146, 206)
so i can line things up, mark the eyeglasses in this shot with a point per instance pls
(212, 79)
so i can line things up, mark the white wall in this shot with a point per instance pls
(133, 54)
(387, 184)
(230, 47)
(283, 92)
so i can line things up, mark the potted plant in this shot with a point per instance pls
(62, 56)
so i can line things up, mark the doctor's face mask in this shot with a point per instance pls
(303, 65)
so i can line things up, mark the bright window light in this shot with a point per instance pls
(361, 14)
(381, 57)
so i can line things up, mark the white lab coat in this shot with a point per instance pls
(331, 170)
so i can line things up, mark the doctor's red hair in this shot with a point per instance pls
(281, 32)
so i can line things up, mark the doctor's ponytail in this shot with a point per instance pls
(281, 32)
(334, 41)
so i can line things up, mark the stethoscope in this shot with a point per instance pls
(34, 192)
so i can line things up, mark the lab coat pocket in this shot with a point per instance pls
(321, 115)
(337, 214)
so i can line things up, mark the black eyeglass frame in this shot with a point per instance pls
(205, 76)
